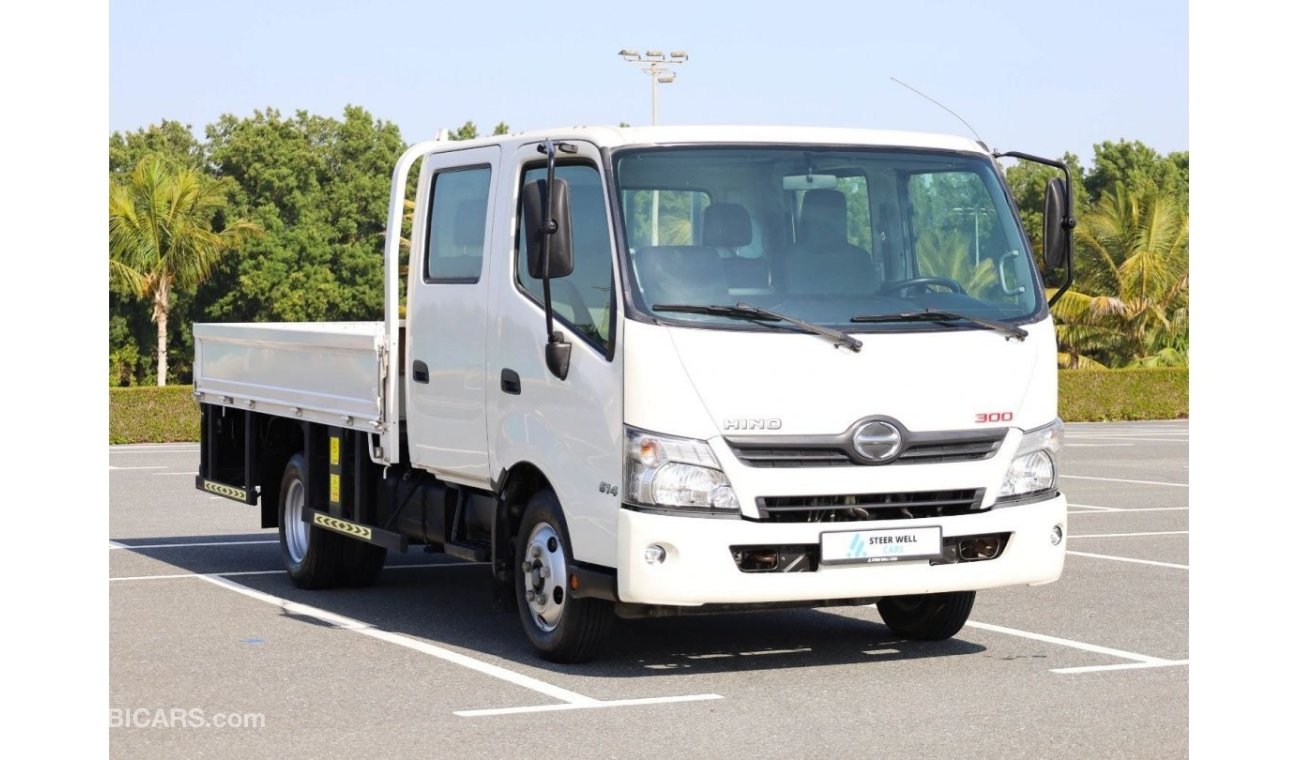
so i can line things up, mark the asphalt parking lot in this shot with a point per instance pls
(206, 628)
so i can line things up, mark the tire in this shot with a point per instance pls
(927, 617)
(562, 628)
(313, 557)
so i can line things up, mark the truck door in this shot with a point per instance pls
(571, 429)
(446, 314)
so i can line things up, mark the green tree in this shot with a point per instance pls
(1136, 166)
(501, 128)
(467, 131)
(319, 186)
(1130, 299)
(161, 236)
(170, 139)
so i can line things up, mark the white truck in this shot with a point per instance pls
(656, 371)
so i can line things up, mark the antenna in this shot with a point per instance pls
(946, 108)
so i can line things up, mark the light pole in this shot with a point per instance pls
(976, 212)
(661, 71)
(659, 67)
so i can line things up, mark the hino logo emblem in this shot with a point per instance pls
(877, 441)
(749, 423)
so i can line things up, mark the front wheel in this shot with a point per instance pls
(561, 627)
(927, 617)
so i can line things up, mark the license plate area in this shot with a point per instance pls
(852, 547)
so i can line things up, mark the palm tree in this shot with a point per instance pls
(160, 235)
(1129, 305)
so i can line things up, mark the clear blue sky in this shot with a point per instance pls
(1034, 76)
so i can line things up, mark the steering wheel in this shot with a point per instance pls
(952, 285)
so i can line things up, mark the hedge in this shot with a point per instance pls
(148, 414)
(1129, 394)
(160, 415)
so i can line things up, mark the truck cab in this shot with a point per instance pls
(652, 371)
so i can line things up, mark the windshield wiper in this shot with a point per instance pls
(935, 315)
(745, 311)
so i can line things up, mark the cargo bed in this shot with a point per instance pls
(327, 372)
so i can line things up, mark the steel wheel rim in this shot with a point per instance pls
(544, 574)
(295, 530)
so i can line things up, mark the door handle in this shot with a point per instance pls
(510, 382)
(420, 372)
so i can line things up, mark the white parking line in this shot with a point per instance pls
(1129, 559)
(114, 545)
(1121, 666)
(1100, 510)
(1126, 535)
(585, 706)
(1125, 480)
(146, 467)
(572, 700)
(1141, 660)
(275, 572)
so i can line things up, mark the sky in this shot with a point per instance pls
(1032, 76)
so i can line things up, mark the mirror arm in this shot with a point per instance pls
(1068, 222)
(557, 349)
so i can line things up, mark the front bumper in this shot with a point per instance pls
(699, 568)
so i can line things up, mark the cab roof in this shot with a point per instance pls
(616, 137)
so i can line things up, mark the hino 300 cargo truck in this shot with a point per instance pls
(657, 371)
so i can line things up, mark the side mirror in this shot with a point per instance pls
(538, 225)
(1057, 224)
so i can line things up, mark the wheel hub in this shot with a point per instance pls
(544, 576)
(295, 530)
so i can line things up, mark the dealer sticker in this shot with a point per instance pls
(881, 545)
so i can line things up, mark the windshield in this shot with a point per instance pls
(822, 235)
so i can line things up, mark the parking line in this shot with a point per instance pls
(1129, 559)
(571, 699)
(1095, 649)
(146, 467)
(1121, 666)
(115, 545)
(275, 572)
(584, 706)
(1098, 510)
(1126, 535)
(1137, 438)
(1125, 480)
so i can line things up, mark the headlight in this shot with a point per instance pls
(1033, 470)
(665, 471)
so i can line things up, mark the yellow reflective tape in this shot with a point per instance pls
(341, 526)
(334, 450)
(334, 487)
(221, 489)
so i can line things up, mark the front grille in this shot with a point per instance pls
(837, 451)
(875, 506)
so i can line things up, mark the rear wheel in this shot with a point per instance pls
(563, 628)
(927, 617)
(313, 556)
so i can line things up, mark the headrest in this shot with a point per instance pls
(824, 218)
(471, 217)
(726, 225)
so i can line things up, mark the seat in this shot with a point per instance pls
(823, 261)
(677, 274)
(727, 228)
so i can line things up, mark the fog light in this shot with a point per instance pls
(655, 554)
(1057, 535)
